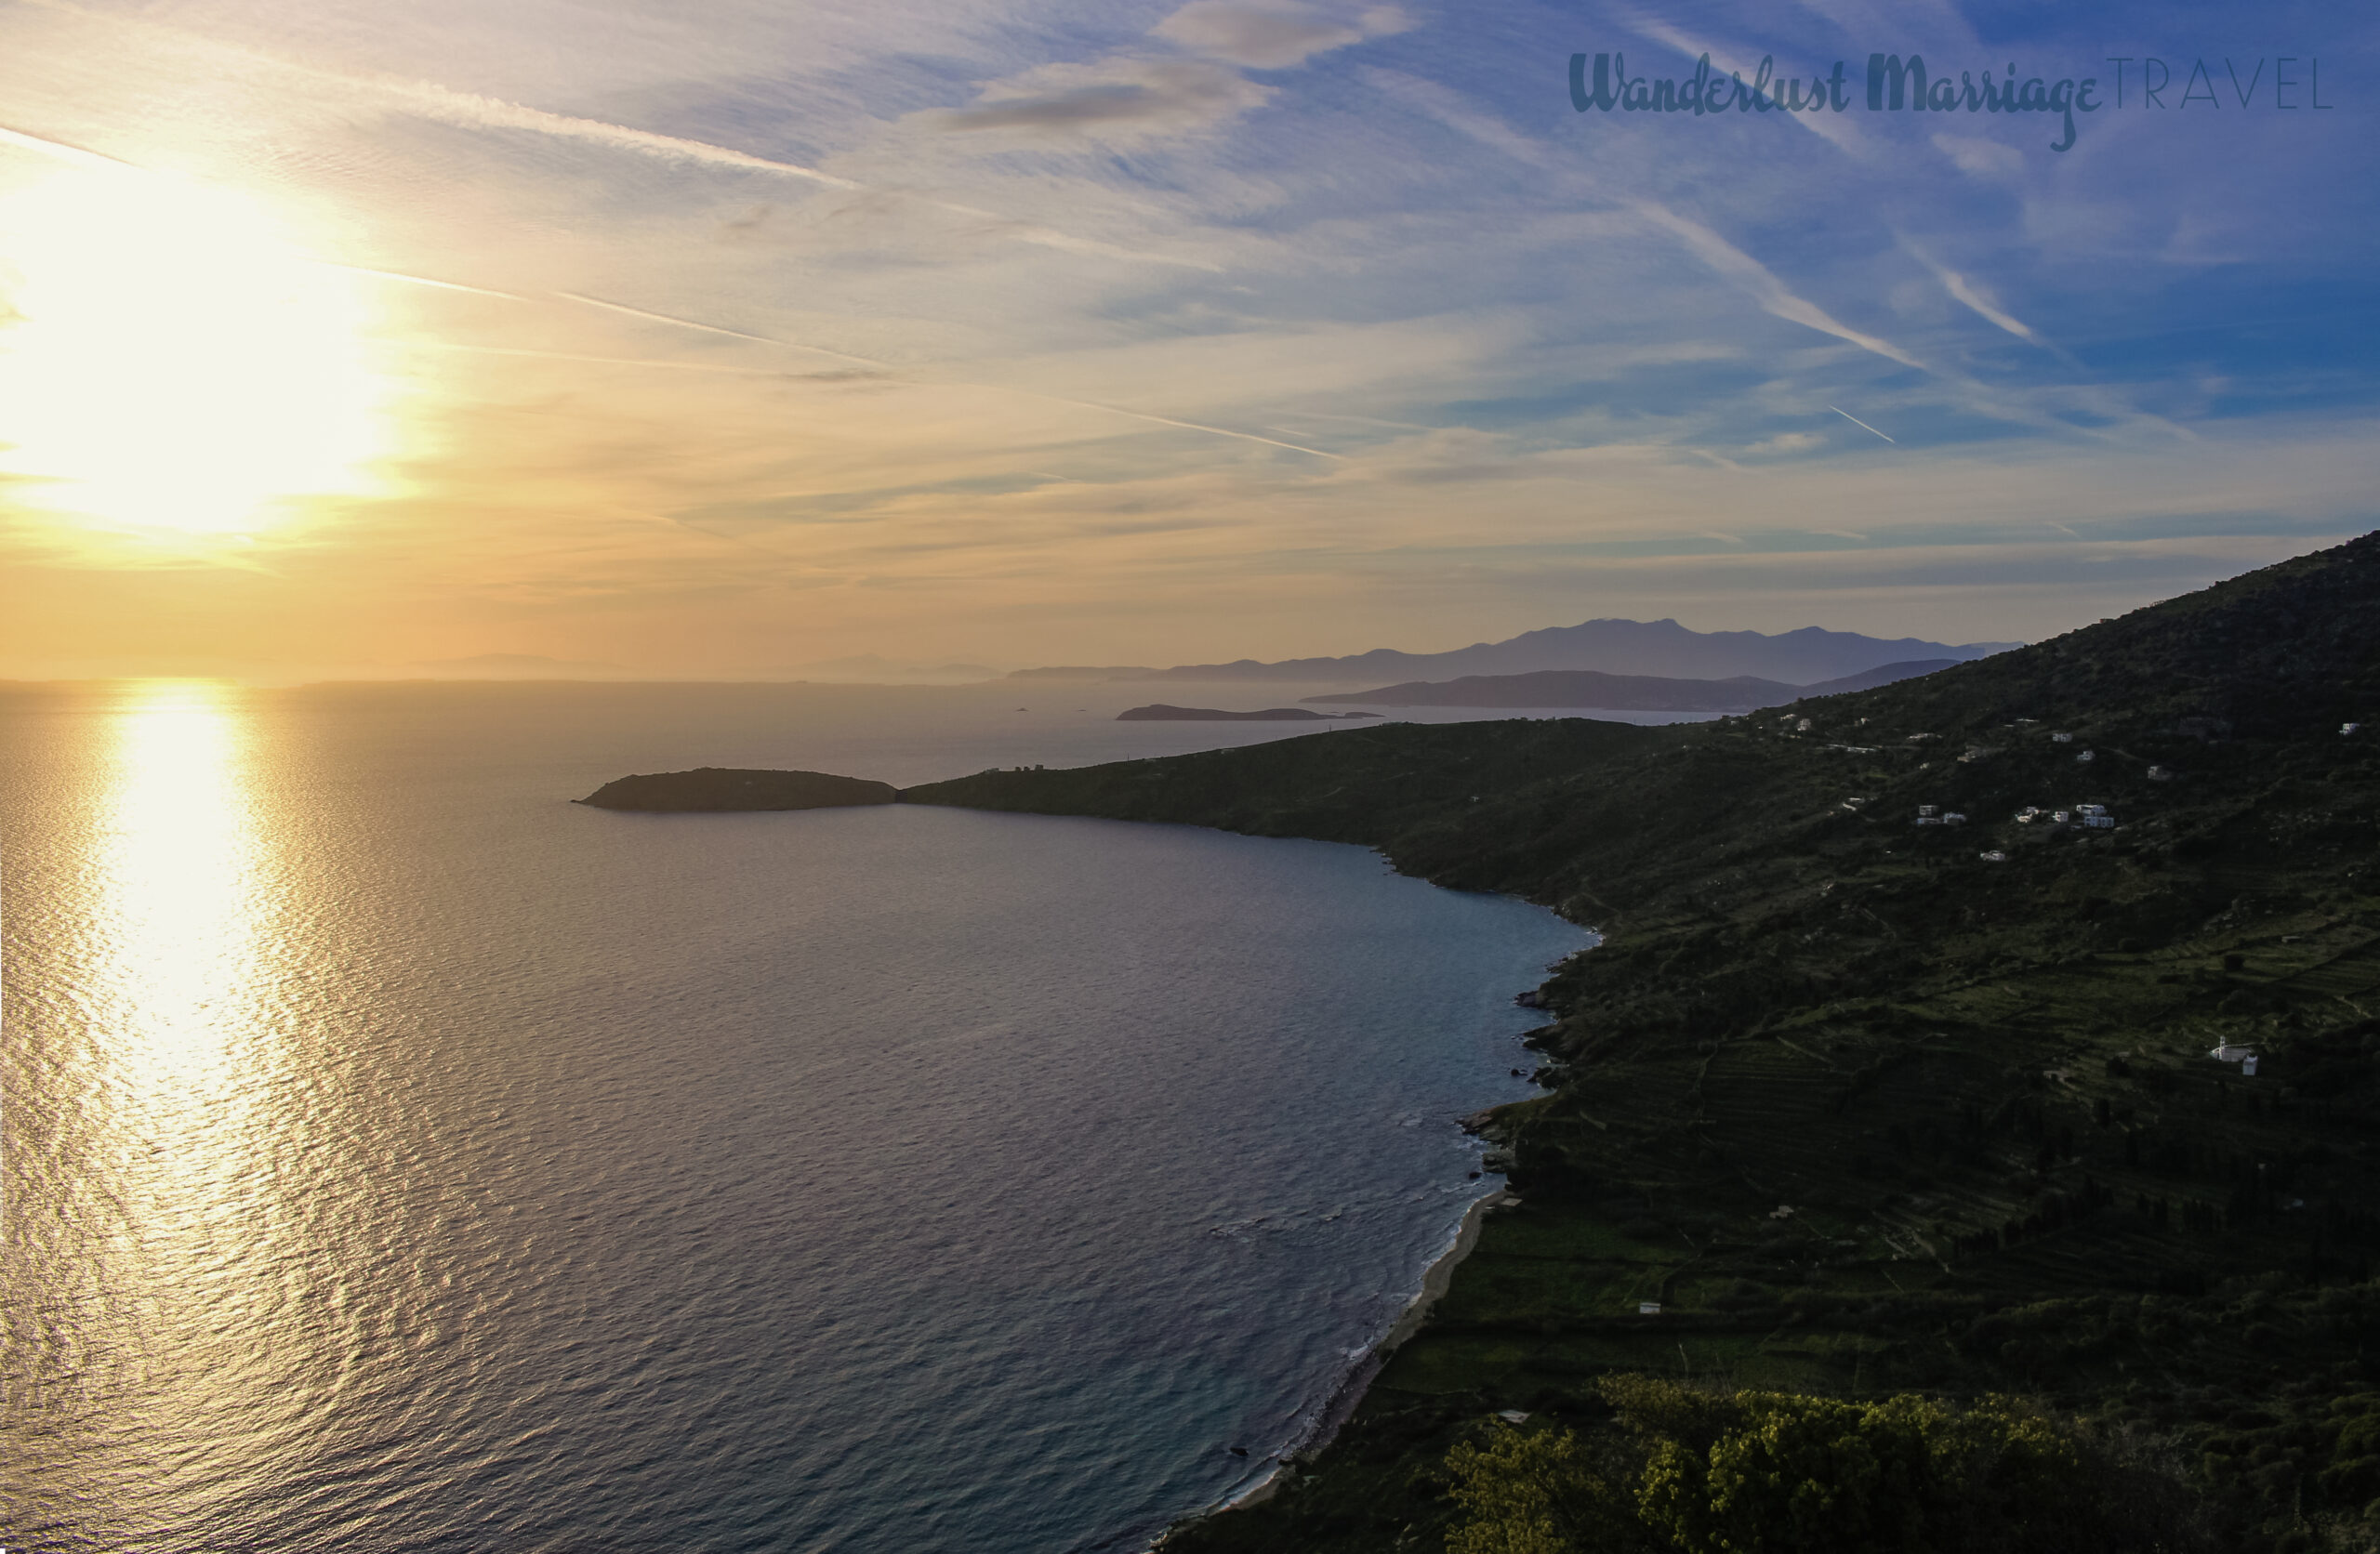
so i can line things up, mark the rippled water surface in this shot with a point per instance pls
(400, 1157)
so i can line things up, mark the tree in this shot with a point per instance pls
(1542, 1491)
(1696, 1471)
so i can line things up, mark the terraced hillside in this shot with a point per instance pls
(1867, 1104)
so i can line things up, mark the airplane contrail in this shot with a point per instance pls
(475, 111)
(1187, 426)
(714, 328)
(59, 150)
(594, 361)
(998, 388)
(77, 154)
(1856, 422)
(401, 276)
(467, 109)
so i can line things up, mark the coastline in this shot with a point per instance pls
(1884, 1083)
(1350, 1392)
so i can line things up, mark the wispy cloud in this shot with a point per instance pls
(1207, 328)
(476, 111)
(1123, 99)
(1276, 36)
(1971, 295)
(467, 109)
(1762, 285)
(1149, 417)
(1976, 297)
(1720, 256)
(1725, 60)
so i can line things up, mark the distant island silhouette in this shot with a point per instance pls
(1158, 712)
(719, 789)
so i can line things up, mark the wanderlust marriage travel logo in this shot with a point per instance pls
(1898, 85)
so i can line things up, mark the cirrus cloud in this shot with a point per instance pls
(1274, 36)
(1113, 100)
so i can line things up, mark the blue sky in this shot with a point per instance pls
(721, 339)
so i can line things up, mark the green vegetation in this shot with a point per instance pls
(1869, 1112)
(1707, 1473)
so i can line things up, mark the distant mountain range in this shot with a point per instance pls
(1662, 648)
(1591, 688)
(519, 665)
(869, 668)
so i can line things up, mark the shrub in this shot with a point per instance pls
(1700, 1471)
(1542, 1491)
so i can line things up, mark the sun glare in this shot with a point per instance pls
(181, 870)
(169, 361)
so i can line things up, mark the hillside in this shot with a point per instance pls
(1884, 674)
(1575, 688)
(1866, 1104)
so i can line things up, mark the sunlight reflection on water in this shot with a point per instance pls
(157, 1210)
(404, 1159)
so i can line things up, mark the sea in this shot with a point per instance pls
(399, 1157)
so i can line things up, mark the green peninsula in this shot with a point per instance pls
(1896, 1071)
(716, 789)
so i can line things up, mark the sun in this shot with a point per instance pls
(171, 362)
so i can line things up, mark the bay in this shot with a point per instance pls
(403, 1158)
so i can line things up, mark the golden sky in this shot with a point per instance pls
(716, 341)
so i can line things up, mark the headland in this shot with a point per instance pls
(713, 789)
(1895, 1069)
(1913, 1057)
